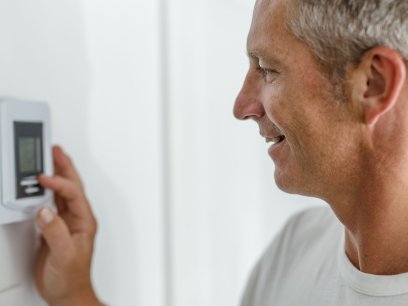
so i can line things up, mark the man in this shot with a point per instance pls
(327, 86)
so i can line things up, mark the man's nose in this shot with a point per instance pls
(247, 104)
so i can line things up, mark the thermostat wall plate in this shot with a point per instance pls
(25, 152)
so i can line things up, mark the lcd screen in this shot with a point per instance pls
(29, 154)
(28, 142)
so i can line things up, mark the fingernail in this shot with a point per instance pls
(47, 215)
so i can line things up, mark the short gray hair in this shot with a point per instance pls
(339, 32)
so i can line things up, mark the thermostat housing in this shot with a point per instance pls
(25, 152)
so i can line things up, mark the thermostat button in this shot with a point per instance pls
(29, 182)
(32, 190)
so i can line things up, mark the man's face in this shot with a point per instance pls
(312, 142)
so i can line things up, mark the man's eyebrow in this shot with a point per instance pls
(254, 54)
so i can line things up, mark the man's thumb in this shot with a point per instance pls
(55, 233)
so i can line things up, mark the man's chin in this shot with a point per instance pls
(294, 185)
(287, 188)
(289, 184)
(283, 182)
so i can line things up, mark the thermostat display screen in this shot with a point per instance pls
(28, 140)
(30, 154)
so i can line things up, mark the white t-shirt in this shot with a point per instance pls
(306, 265)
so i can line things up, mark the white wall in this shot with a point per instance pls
(124, 142)
(95, 63)
(183, 192)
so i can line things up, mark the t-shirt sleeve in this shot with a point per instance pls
(251, 292)
(270, 264)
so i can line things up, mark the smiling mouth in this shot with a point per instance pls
(275, 140)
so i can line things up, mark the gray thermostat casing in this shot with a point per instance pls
(25, 152)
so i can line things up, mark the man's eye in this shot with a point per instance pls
(268, 75)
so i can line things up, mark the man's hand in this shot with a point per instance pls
(64, 259)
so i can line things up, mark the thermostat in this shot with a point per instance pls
(25, 153)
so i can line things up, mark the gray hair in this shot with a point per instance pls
(339, 32)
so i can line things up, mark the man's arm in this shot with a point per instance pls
(63, 263)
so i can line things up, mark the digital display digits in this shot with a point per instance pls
(28, 139)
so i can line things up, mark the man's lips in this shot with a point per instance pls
(275, 140)
(272, 134)
(273, 137)
(277, 143)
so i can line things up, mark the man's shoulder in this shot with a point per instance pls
(306, 244)
(304, 232)
(310, 221)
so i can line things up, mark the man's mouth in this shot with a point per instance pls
(275, 140)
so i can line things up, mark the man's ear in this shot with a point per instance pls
(382, 76)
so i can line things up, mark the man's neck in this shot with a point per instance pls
(376, 224)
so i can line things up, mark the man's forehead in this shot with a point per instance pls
(268, 25)
(266, 7)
